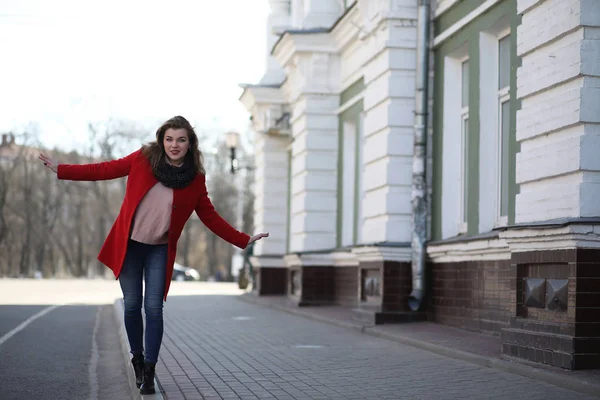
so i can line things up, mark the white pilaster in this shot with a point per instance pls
(312, 87)
(558, 126)
(389, 32)
(271, 186)
(277, 22)
(266, 104)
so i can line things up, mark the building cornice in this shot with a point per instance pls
(383, 253)
(267, 261)
(347, 28)
(267, 105)
(293, 44)
(308, 260)
(552, 237)
(256, 94)
(476, 250)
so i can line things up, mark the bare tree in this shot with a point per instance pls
(57, 227)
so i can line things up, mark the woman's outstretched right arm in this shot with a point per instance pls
(91, 172)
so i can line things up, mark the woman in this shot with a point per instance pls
(166, 184)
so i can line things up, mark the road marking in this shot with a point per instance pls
(93, 369)
(243, 318)
(27, 322)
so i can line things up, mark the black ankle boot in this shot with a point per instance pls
(138, 367)
(148, 381)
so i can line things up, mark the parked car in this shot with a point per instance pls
(181, 273)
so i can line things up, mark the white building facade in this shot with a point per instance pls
(512, 166)
(333, 117)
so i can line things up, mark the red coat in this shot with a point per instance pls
(140, 181)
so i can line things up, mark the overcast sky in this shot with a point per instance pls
(69, 62)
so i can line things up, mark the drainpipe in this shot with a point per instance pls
(419, 184)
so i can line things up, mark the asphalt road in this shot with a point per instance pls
(64, 352)
(59, 338)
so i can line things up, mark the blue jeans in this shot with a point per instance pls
(150, 263)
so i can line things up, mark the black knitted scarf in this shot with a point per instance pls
(176, 177)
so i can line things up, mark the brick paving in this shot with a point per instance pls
(217, 347)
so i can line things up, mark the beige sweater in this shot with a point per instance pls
(153, 216)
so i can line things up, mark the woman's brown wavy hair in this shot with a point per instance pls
(155, 151)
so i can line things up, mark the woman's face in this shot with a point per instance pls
(176, 144)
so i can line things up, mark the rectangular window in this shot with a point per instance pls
(504, 160)
(464, 145)
(289, 202)
(349, 143)
(350, 173)
(465, 83)
(494, 127)
(464, 170)
(358, 195)
(503, 127)
(456, 131)
(504, 62)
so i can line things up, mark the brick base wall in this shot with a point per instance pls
(555, 308)
(397, 285)
(271, 281)
(472, 295)
(317, 285)
(346, 286)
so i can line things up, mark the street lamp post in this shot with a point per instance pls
(232, 140)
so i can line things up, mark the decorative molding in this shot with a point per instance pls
(266, 104)
(476, 250)
(311, 64)
(376, 13)
(344, 259)
(368, 12)
(347, 29)
(253, 96)
(308, 260)
(540, 239)
(267, 262)
(292, 44)
(382, 253)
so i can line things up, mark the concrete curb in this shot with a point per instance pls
(506, 365)
(135, 392)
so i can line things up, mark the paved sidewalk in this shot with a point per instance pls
(465, 345)
(217, 347)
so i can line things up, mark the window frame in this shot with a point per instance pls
(452, 178)
(463, 225)
(503, 96)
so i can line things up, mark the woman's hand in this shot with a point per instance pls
(48, 162)
(256, 238)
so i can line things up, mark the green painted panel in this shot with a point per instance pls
(340, 179)
(515, 105)
(357, 171)
(437, 146)
(289, 204)
(353, 90)
(473, 138)
(455, 14)
(470, 36)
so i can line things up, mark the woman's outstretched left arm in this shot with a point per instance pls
(213, 221)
